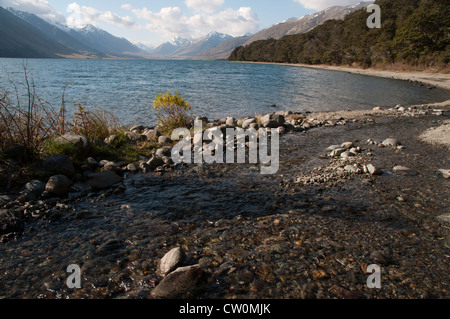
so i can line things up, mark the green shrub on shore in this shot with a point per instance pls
(172, 112)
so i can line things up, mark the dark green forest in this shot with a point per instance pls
(413, 33)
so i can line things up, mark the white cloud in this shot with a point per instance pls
(208, 6)
(171, 22)
(323, 4)
(82, 15)
(40, 8)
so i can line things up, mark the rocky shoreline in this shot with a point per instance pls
(266, 251)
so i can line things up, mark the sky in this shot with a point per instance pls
(153, 22)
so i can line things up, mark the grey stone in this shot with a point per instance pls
(132, 167)
(134, 137)
(391, 142)
(337, 152)
(445, 173)
(79, 141)
(58, 185)
(104, 179)
(347, 154)
(373, 170)
(164, 140)
(246, 123)
(404, 170)
(272, 120)
(351, 169)
(34, 187)
(59, 164)
(171, 261)
(347, 145)
(92, 161)
(152, 135)
(231, 121)
(184, 282)
(164, 151)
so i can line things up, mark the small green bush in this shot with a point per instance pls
(172, 112)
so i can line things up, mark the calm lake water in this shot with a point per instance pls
(214, 88)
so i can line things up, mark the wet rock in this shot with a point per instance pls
(108, 247)
(171, 261)
(34, 188)
(272, 120)
(58, 185)
(391, 142)
(78, 141)
(104, 179)
(59, 164)
(184, 282)
(404, 170)
(10, 222)
(445, 173)
(111, 166)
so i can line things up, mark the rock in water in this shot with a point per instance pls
(58, 185)
(185, 282)
(171, 261)
(104, 179)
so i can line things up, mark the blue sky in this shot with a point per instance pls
(153, 22)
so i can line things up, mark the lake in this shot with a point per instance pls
(214, 88)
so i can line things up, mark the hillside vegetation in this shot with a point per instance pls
(413, 33)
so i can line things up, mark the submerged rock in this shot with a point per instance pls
(171, 261)
(184, 282)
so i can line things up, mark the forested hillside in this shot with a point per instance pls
(413, 32)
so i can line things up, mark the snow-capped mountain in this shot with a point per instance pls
(103, 41)
(180, 48)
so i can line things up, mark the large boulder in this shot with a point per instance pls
(272, 120)
(58, 185)
(59, 164)
(184, 282)
(171, 261)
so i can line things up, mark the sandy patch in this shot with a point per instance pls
(437, 135)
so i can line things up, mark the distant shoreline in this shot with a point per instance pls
(436, 79)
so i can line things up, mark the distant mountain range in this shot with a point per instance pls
(25, 35)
